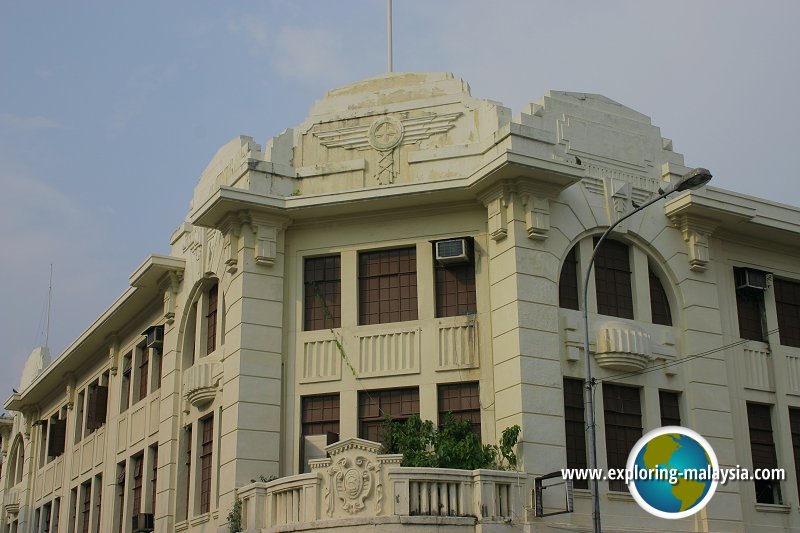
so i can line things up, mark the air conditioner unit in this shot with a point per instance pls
(142, 523)
(749, 278)
(452, 251)
(155, 336)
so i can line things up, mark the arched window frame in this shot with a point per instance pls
(640, 265)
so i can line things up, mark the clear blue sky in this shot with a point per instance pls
(109, 111)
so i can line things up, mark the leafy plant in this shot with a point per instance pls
(264, 479)
(235, 516)
(454, 445)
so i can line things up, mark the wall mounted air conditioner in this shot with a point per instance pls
(155, 336)
(452, 251)
(750, 278)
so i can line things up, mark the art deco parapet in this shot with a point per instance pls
(358, 486)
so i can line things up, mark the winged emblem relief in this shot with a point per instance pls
(385, 135)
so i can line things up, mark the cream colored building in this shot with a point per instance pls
(303, 296)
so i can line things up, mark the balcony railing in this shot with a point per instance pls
(360, 486)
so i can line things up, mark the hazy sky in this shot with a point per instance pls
(109, 111)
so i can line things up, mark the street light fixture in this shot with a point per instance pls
(693, 179)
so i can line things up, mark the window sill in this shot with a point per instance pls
(200, 519)
(583, 494)
(182, 526)
(620, 496)
(773, 508)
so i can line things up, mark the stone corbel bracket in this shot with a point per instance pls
(69, 379)
(231, 229)
(696, 232)
(496, 203)
(266, 231)
(113, 354)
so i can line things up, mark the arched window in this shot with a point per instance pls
(614, 281)
(612, 277)
(202, 333)
(16, 461)
(659, 304)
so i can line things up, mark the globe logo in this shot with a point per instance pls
(674, 472)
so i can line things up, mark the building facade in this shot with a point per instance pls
(410, 249)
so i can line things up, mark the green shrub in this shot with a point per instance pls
(454, 445)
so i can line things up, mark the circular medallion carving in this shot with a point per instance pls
(353, 483)
(385, 133)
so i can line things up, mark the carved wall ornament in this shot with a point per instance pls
(386, 135)
(353, 481)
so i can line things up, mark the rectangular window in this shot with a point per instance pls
(121, 497)
(157, 362)
(57, 438)
(623, 416)
(187, 472)
(762, 448)
(387, 286)
(125, 383)
(144, 368)
(211, 320)
(322, 285)
(787, 305)
(749, 309)
(575, 427)
(374, 406)
(670, 408)
(98, 503)
(794, 424)
(612, 276)
(463, 401)
(138, 467)
(79, 416)
(320, 415)
(153, 478)
(206, 448)
(568, 282)
(96, 406)
(86, 506)
(73, 509)
(455, 288)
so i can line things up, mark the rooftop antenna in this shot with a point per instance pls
(389, 32)
(49, 302)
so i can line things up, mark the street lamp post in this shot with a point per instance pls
(691, 180)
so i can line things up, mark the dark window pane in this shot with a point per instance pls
(455, 289)
(374, 406)
(322, 287)
(623, 413)
(211, 320)
(612, 277)
(787, 305)
(575, 427)
(568, 282)
(387, 286)
(463, 401)
(206, 448)
(659, 305)
(794, 424)
(750, 311)
(670, 408)
(762, 448)
(320, 415)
